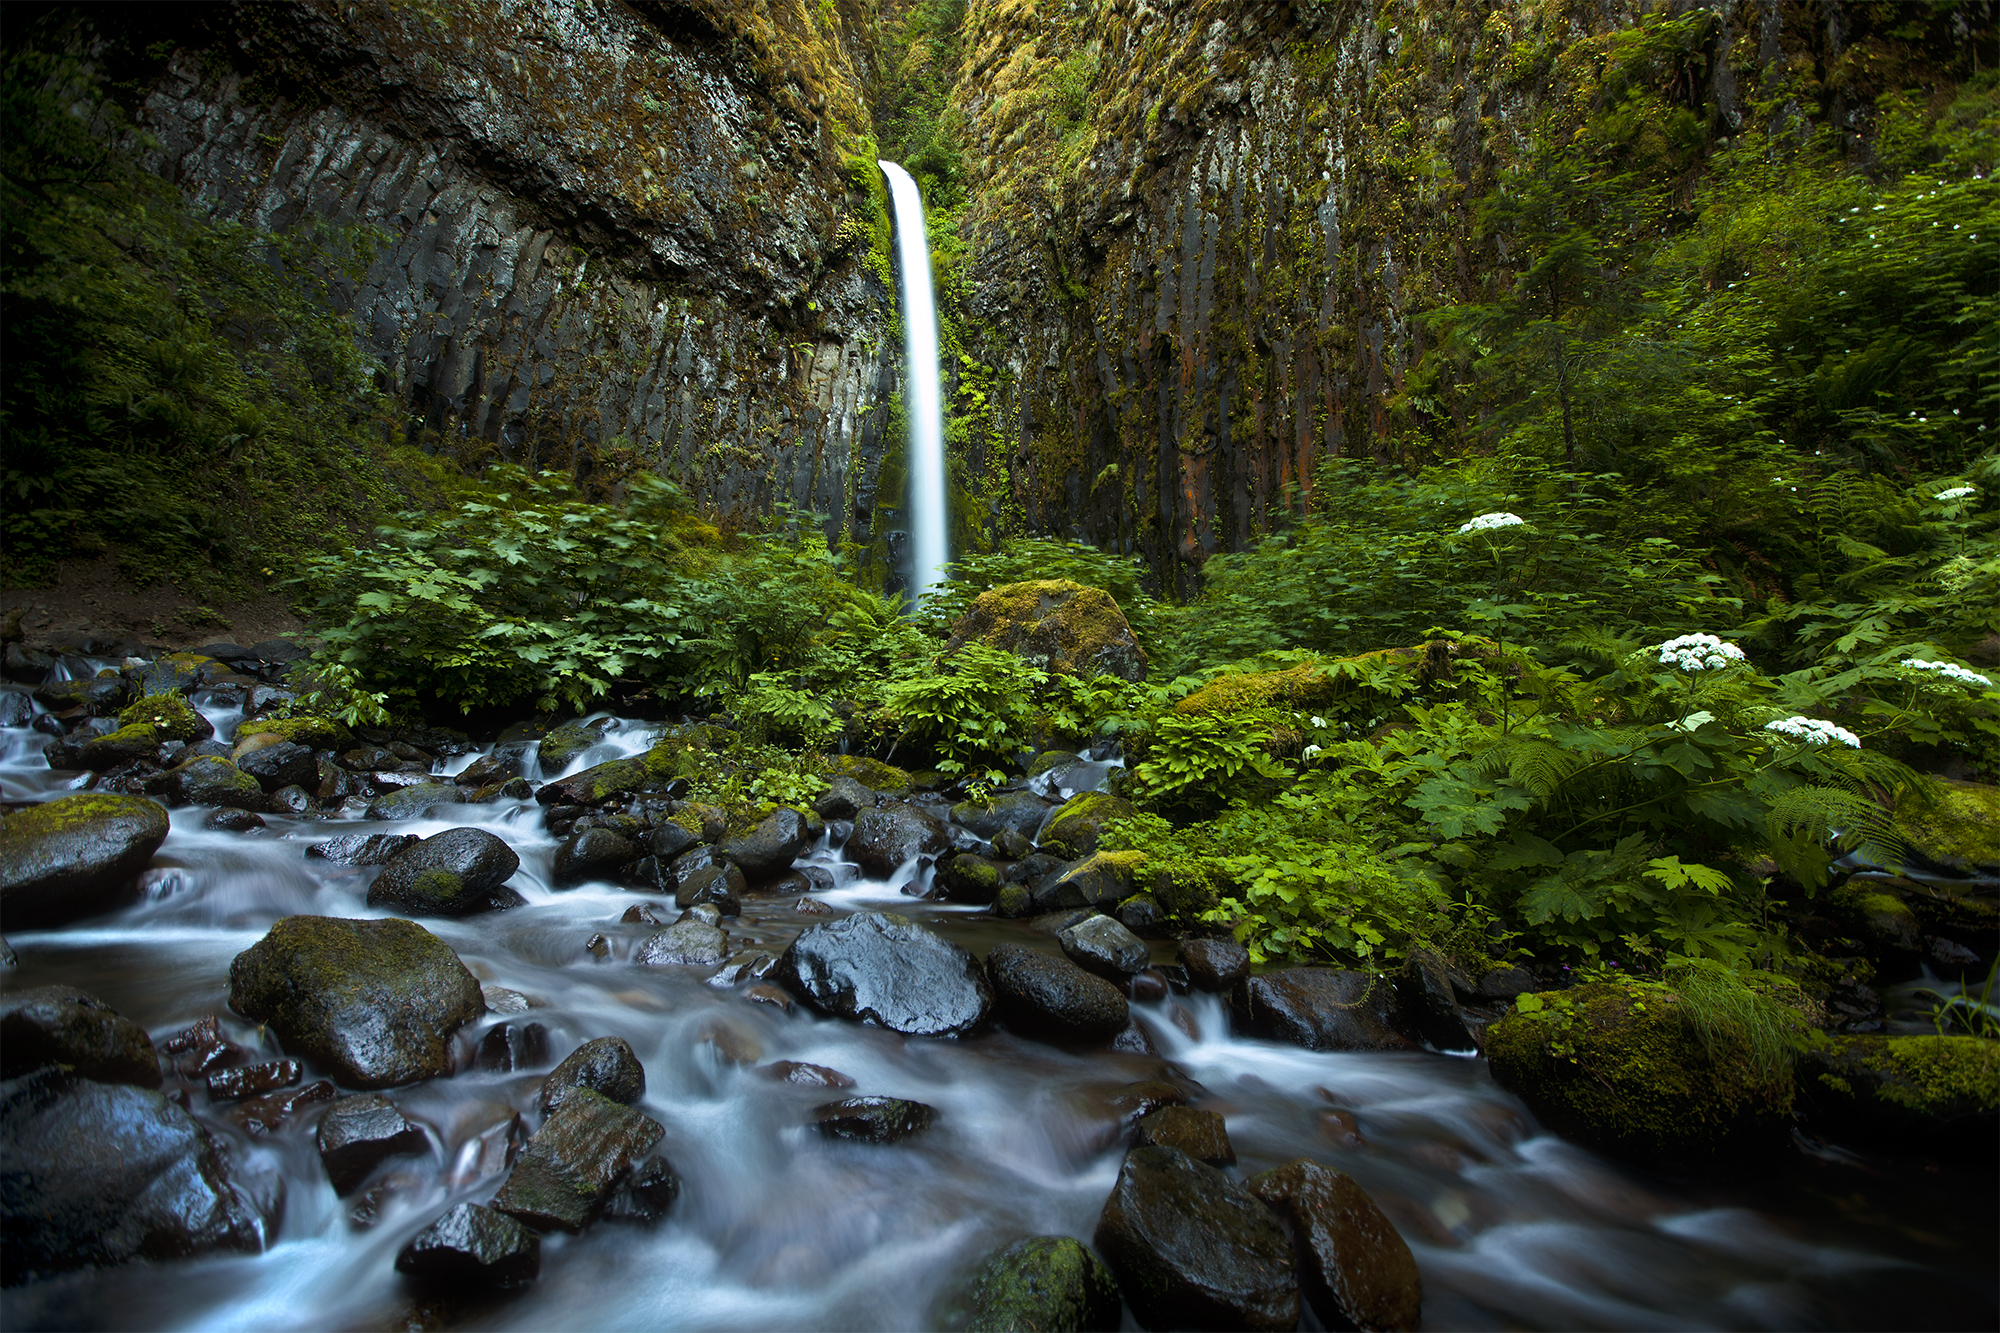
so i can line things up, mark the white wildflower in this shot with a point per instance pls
(1699, 652)
(1813, 731)
(1310, 751)
(1488, 522)
(1956, 493)
(1949, 671)
(1319, 722)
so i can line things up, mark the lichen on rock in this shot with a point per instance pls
(1057, 625)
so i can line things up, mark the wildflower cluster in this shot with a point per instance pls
(1956, 493)
(1488, 522)
(1699, 652)
(1813, 731)
(1949, 671)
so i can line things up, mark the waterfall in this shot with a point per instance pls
(927, 519)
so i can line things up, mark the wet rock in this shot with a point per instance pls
(595, 853)
(562, 747)
(966, 878)
(645, 914)
(414, 802)
(771, 995)
(1100, 882)
(878, 968)
(503, 765)
(844, 798)
(1102, 945)
(500, 1000)
(1019, 812)
(1322, 1009)
(291, 801)
(1012, 901)
(804, 1075)
(1193, 1250)
(647, 1195)
(375, 1002)
(1133, 1041)
(1958, 832)
(453, 873)
(74, 857)
(1130, 1101)
(209, 781)
(1053, 997)
(1354, 1269)
(1041, 1282)
(768, 849)
(1074, 828)
(1426, 1007)
(8, 958)
(472, 1249)
(888, 836)
(359, 1133)
(230, 1085)
(652, 771)
(15, 710)
(582, 1152)
(1012, 846)
(811, 907)
(751, 966)
(606, 1066)
(1215, 965)
(709, 914)
(1900, 1093)
(101, 1173)
(1061, 626)
(1141, 915)
(283, 764)
(1202, 1135)
(267, 1114)
(686, 944)
(669, 840)
(872, 1119)
(1501, 982)
(513, 789)
(510, 1046)
(59, 1025)
(720, 885)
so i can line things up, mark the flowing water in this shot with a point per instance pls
(777, 1227)
(928, 517)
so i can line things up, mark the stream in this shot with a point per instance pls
(778, 1227)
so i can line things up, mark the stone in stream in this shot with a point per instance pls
(872, 1119)
(883, 969)
(1052, 997)
(890, 834)
(453, 873)
(582, 1152)
(767, 850)
(606, 1066)
(595, 853)
(511, 1046)
(99, 1173)
(844, 798)
(1193, 1250)
(358, 1133)
(1426, 1006)
(229, 1085)
(721, 885)
(967, 878)
(374, 1002)
(560, 748)
(1020, 812)
(669, 840)
(75, 856)
(280, 764)
(804, 1075)
(60, 1025)
(1894, 1092)
(1046, 1283)
(647, 1195)
(1101, 944)
(1354, 1269)
(1100, 881)
(1321, 1009)
(415, 801)
(685, 944)
(1202, 1135)
(233, 821)
(498, 768)
(472, 1249)
(211, 781)
(1215, 965)
(1075, 827)
(267, 1114)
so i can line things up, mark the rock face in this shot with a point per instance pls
(607, 1066)
(472, 1249)
(1904, 1093)
(74, 857)
(1192, 1250)
(582, 1152)
(375, 1002)
(1041, 1282)
(767, 850)
(359, 1132)
(890, 834)
(872, 1119)
(1056, 625)
(58, 1025)
(1103, 945)
(101, 1174)
(1354, 1268)
(883, 969)
(453, 873)
(1320, 1008)
(1053, 997)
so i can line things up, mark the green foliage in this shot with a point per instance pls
(1022, 559)
(973, 711)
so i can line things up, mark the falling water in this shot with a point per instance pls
(920, 353)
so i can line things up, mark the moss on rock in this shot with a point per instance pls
(872, 774)
(1959, 832)
(169, 716)
(316, 733)
(1076, 827)
(1055, 624)
(1909, 1093)
(74, 856)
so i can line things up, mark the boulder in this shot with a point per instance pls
(225, 820)
(844, 798)
(1102, 945)
(1355, 1270)
(1215, 965)
(169, 717)
(1074, 828)
(767, 850)
(653, 771)
(1427, 1008)
(453, 873)
(876, 776)
(1100, 881)
(362, 849)
(888, 836)
(966, 878)
(670, 840)
(59, 1025)
(1019, 812)
(375, 1002)
(414, 802)
(878, 968)
(1202, 1135)
(872, 1119)
(1322, 1009)
(471, 1249)
(280, 764)
(358, 1133)
(1903, 1093)
(1049, 1283)
(607, 1066)
(207, 780)
(98, 1173)
(804, 1075)
(74, 857)
(1959, 832)
(1056, 625)
(1193, 1250)
(496, 769)
(315, 733)
(561, 747)
(1043, 996)
(723, 885)
(595, 853)
(684, 944)
(647, 1195)
(582, 1152)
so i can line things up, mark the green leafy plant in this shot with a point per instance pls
(973, 711)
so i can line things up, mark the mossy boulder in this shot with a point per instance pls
(1629, 1071)
(1050, 1283)
(455, 873)
(208, 780)
(560, 747)
(1883, 922)
(672, 758)
(1959, 831)
(175, 673)
(168, 717)
(872, 774)
(1334, 683)
(1099, 881)
(1074, 828)
(317, 733)
(75, 856)
(1057, 625)
(1910, 1094)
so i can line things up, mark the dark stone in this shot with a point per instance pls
(582, 1152)
(291, 801)
(1012, 846)
(285, 764)
(751, 966)
(359, 1133)
(58, 1025)
(491, 770)
(279, 650)
(363, 849)
(375, 1002)
(1504, 983)
(888, 836)
(647, 1195)
(1074, 828)
(1215, 965)
(645, 914)
(1131, 1101)
(1427, 1008)
(367, 759)
(601, 782)
(1133, 1041)
(230, 1085)
(966, 878)
(1046, 1283)
(74, 857)
(1354, 1269)
(561, 747)
(844, 798)
(1202, 1135)
(453, 873)
(267, 1114)
(1931, 1093)
(721, 885)
(1102, 945)
(1320, 1008)
(684, 944)
(787, 884)
(1019, 812)
(511, 1046)
(1141, 915)
(1193, 1250)
(805, 1075)
(872, 1119)
(414, 802)
(209, 781)
(95, 1173)
(769, 849)
(472, 1249)
(1053, 997)
(1098, 882)
(606, 1066)
(883, 969)
(669, 840)
(1012, 901)
(595, 853)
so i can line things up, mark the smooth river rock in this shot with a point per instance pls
(769, 849)
(358, 1132)
(471, 1249)
(1355, 1269)
(1052, 1284)
(74, 857)
(580, 1155)
(607, 1066)
(1103, 945)
(873, 1119)
(890, 834)
(60, 1025)
(1320, 1008)
(453, 873)
(876, 967)
(1044, 996)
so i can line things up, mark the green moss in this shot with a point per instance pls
(1904, 1093)
(1883, 920)
(437, 885)
(315, 733)
(1052, 623)
(1035, 1283)
(1959, 831)
(1074, 830)
(169, 716)
(871, 773)
(71, 812)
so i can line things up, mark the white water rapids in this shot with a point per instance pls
(927, 517)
